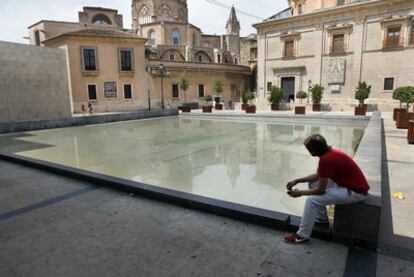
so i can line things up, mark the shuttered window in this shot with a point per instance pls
(338, 45)
(412, 33)
(289, 48)
(393, 37)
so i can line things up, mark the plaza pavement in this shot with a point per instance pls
(52, 225)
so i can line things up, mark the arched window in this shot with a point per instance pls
(101, 19)
(194, 39)
(175, 37)
(152, 37)
(144, 15)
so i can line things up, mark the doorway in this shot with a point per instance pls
(288, 86)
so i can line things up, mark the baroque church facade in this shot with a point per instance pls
(338, 43)
(118, 69)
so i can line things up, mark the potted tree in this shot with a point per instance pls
(401, 94)
(251, 107)
(275, 97)
(362, 93)
(244, 100)
(208, 108)
(317, 94)
(406, 95)
(184, 83)
(301, 109)
(218, 87)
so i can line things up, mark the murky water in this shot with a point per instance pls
(236, 161)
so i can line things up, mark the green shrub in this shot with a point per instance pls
(301, 95)
(362, 92)
(218, 86)
(243, 97)
(208, 98)
(317, 93)
(250, 97)
(184, 83)
(404, 95)
(276, 95)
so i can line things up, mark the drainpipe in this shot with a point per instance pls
(322, 52)
(362, 49)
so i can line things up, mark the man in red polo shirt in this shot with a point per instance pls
(339, 180)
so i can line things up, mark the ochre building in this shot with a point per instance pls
(118, 69)
(338, 43)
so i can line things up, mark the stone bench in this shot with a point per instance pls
(358, 224)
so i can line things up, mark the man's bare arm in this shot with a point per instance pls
(320, 190)
(307, 179)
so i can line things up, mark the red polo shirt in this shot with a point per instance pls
(342, 169)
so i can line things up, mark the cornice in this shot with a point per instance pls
(357, 10)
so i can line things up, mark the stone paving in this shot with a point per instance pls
(56, 226)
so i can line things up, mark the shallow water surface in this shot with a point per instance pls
(237, 161)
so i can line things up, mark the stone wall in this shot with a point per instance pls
(33, 83)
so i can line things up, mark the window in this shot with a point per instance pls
(338, 45)
(92, 95)
(194, 39)
(175, 37)
(153, 37)
(388, 83)
(101, 19)
(201, 90)
(89, 59)
(289, 48)
(175, 91)
(125, 57)
(144, 15)
(128, 91)
(37, 37)
(269, 86)
(412, 33)
(219, 58)
(253, 54)
(300, 11)
(200, 58)
(393, 37)
(341, 2)
(172, 57)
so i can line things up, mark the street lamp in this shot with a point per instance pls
(162, 72)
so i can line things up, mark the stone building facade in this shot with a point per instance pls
(99, 47)
(338, 43)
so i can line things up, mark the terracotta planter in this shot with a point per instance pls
(186, 109)
(396, 111)
(207, 109)
(300, 110)
(244, 106)
(361, 110)
(218, 106)
(275, 107)
(403, 120)
(410, 135)
(250, 109)
(316, 107)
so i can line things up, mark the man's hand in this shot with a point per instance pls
(291, 184)
(294, 193)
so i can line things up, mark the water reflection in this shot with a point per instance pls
(242, 162)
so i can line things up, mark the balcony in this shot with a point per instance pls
(393, 43)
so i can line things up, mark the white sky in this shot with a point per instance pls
(17, 15)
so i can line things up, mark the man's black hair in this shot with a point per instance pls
(316, 145)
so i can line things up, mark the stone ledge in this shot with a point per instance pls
(80, 120)
(358, 224)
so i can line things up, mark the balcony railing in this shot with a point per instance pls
(393, 43)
